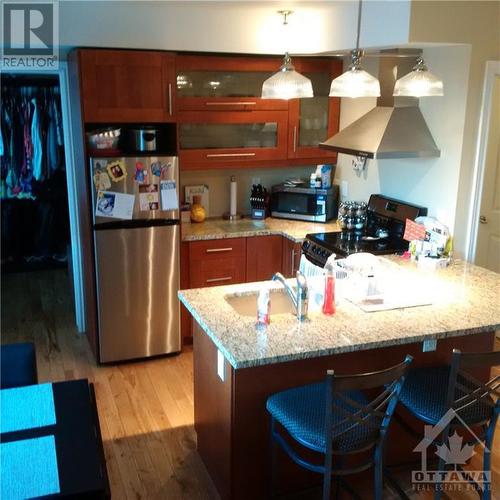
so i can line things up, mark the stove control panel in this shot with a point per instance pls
(316, 253)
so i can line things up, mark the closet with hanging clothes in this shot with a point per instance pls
(33, 190)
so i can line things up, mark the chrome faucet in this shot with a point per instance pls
(300, 298)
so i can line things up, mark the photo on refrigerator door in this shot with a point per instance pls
(115, 205)
(148, 197)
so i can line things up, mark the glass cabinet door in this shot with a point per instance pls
(210, 138)
(228, 135)
(315, 119)
(218, 83)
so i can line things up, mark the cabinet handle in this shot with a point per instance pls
(293, 261)
(229, 155)
(483, 219)
(231, 103)
(170, 99)
(295, 138)
(216, 280)
(213, 250)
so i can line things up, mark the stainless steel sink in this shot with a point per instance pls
(246, 305)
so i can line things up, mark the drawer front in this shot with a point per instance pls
(217, 272)
(217, 249)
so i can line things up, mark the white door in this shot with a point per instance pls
(488, 237)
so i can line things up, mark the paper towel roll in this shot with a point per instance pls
(232, 196)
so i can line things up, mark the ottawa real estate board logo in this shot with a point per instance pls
(30, 35)
(453, 453)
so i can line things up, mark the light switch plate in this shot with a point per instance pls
(429, 345)
(220, 366)
(344, 189)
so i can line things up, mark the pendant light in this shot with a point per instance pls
(355, 82)
(286, 83)
(420, 82)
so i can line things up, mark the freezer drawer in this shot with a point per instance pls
(137, 282)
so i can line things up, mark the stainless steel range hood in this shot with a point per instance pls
(395, 128)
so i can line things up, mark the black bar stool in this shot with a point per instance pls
(450, 398)
(336, 419)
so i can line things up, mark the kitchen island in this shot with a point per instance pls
(237, 366)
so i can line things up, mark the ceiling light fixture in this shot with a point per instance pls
(420, 82)
(286, 83)
(355, 82)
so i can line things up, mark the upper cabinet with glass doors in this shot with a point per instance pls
(216, 83)
(208, 86)
(313, 120)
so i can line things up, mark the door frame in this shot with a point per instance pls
(491, 71)
(74, 217)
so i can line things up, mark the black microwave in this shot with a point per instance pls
(303, 203)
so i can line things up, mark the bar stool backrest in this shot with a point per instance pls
(375, 416)
(465, 390)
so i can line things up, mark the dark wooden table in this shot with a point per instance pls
(80, 456)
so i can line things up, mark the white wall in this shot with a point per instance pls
(238, 27)
(429, 182)
(475, 23)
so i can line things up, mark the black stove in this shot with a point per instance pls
(385, 226)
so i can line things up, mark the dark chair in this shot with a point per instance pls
(450, 398)
(338, 420)
(18, 365)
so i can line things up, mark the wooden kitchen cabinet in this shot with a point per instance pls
(290, 257)
(264, 254)
(231, 139)
(217, 262)
(127, 86)
(225, 83)
(223, 122)
(313, 120)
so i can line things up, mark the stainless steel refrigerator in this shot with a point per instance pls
(136, 241)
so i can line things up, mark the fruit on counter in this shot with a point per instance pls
(198, 213)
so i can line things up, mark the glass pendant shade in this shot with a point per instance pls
(287, 83)
(419, 83)
(355, 82)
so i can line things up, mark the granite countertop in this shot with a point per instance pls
(214, 229)
(465, 300)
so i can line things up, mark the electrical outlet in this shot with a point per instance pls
(429, 345)
(344, 189)
(256, 180)
(221, 372)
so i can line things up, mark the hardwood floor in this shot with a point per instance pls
(145, 408)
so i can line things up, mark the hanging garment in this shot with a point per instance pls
(37, 144)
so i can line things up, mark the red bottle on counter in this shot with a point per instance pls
(329, 295)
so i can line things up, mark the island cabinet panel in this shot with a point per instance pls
(217, 262)
(213, 413)
(127, 86)
(232, 423)
(291, 257)
(264, 255)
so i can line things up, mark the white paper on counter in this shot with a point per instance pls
(168, 193)
(115, 205)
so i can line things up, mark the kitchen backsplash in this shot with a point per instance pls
(218, 184)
